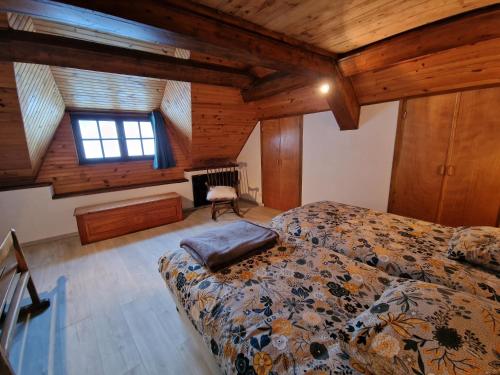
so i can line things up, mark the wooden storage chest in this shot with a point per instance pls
(108, 220)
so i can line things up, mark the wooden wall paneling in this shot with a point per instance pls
(15, 162)
(469, 66)
(61, 168)
(345, 25)
(176, 107)
(471, 194)
(270, 140)
(41, 103)
(42, 107)
(420, 156)
(221, 123)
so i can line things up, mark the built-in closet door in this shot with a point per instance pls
(270, 156)
(447, 159)
(420, 156)
(471, 192)
(281, 145)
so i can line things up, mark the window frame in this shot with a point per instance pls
(119, 119)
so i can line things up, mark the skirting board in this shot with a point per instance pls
(49, 239)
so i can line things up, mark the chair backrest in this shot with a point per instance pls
(224, 176)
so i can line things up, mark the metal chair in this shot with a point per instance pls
(223, 189)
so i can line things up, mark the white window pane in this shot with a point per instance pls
(88, 129)
(131, 129)
(134, 147)
(111, 148)
(149, 146)
(92, 149)
(146, 130)
(108, 129)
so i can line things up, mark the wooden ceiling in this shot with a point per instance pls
(343, 25)
(85, 89)
(140, 55)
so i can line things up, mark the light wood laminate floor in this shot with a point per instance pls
(111, 312)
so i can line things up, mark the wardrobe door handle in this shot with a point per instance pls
(450, 171)
(442, 170)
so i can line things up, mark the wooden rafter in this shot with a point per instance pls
(451, 33)
(28, 47)
(274, 84)
(167, 23)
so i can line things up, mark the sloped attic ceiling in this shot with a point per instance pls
(86, 89)
(97, 90)
(223, 120)
(343, 25)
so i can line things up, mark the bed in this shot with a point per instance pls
(397, 245)
(278, 310)
(285, 311)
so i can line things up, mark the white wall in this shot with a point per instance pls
(35, 215)
(249, 164)
(352, 167)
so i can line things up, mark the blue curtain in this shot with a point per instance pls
(164, 157)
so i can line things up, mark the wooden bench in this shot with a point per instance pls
(15, 278)
(108, 220)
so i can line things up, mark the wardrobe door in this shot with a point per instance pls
(281, 147)
(270, 159)
(471, 193)
(290, 162)
(420, 156)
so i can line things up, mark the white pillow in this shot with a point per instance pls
(221, 193)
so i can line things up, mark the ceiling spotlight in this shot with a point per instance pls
(324, 88)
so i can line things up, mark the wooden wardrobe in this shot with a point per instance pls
(447, 159)
(281, 155)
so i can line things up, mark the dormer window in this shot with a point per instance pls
(108, 137)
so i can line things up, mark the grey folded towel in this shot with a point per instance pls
(224, 245)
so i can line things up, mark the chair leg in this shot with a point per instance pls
(38, 305)
(236, 207)
(214, 212)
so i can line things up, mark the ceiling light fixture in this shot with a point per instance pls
(324, 88)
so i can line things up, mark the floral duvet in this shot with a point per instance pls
(284, 311)
(278, 312)
(398, 245)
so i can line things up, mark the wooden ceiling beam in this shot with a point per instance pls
(342, 91)
(28, 47)
(450, 33)
(274, 84)
(168, 23)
